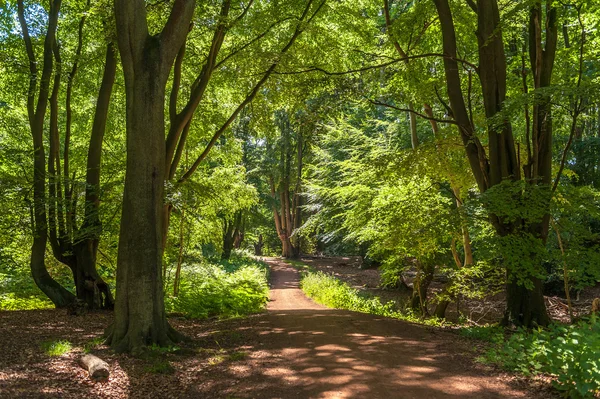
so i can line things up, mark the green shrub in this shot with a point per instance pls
(331, 292)
(571, 353)
(12, 301)
(230, 289)
(56, 348)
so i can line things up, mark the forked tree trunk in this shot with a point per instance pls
(36, 111)
(524, 307)
(139, 309)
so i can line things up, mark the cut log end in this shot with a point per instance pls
(97, 368)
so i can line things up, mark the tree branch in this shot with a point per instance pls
(367, 68)
(176, 28)
(252, 94)
(451, 121)
(241, 48)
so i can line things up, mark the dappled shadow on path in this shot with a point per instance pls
(341, 354)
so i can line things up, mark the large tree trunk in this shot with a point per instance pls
(228, 239)
(502, 163)
(525, 307)
(36, 111)
(233, 234)
(139, 309)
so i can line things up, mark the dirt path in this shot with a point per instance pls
(308, 351)
(297, 349)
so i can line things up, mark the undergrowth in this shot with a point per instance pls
(226, 289)
(13, 301)
(331, 292)
(569, 353)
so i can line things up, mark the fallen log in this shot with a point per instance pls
(97, 368)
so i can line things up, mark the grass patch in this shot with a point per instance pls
(331, 292)
(228, 289)
(298, 264)
(56, 348)
(569, 353)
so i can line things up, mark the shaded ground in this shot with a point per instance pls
(297, 349)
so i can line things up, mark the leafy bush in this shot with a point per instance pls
(331, 292)
(12, 301)
(571, 353)
(229, 289)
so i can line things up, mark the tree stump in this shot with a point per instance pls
(97, 368)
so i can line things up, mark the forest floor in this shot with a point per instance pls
(297, 349)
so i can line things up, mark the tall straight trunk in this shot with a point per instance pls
(139, 309)
(287, 249)
(140, 317)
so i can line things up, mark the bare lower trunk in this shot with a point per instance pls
(140, 318)
(440, 309)
(139, 310)
(287, 250)
(91, 288)
(525, 307)
(258, 246)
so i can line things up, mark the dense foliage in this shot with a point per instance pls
(230, 288)
(437, 139)
(567, 352)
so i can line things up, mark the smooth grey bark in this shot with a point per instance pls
(139, 309)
